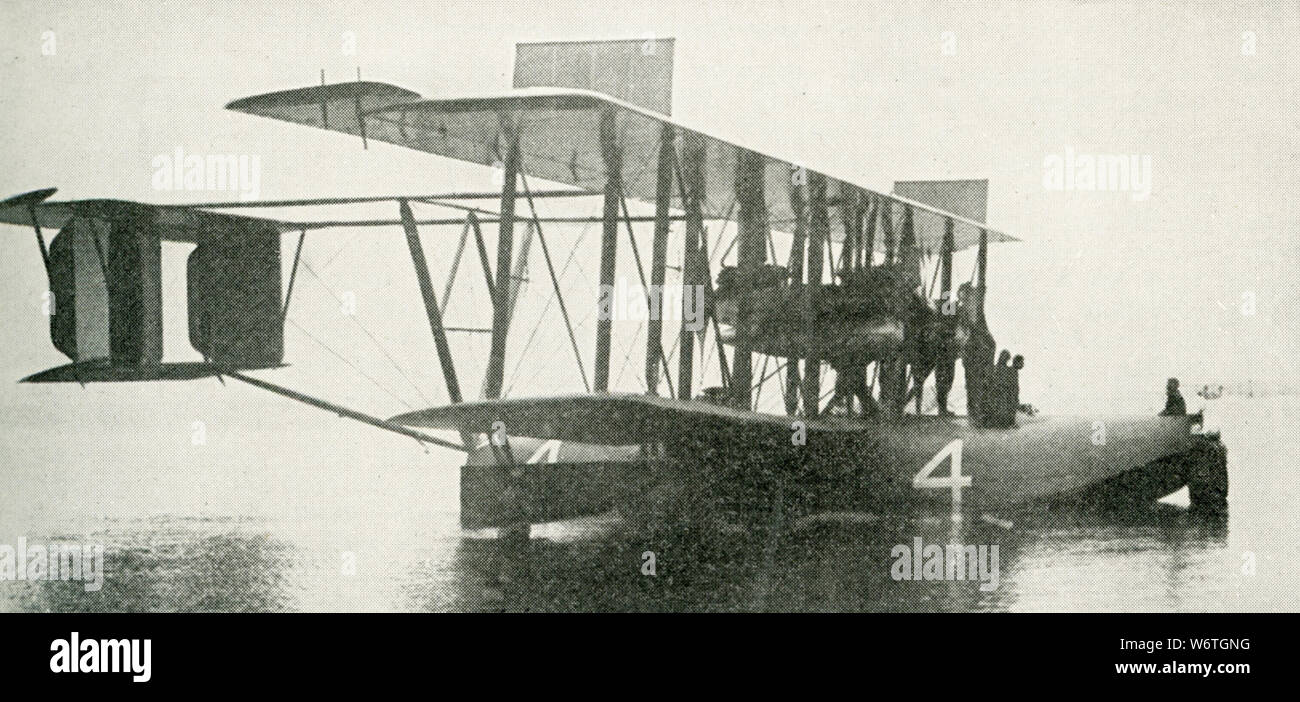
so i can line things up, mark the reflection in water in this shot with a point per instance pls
(829, 567)
(172, 566)
(1051, 558)
(193, 566)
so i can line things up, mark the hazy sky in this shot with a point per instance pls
(1106, 295)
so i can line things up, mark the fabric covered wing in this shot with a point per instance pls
(603, 418)
(560, 141)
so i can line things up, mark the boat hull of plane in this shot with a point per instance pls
(905, 466)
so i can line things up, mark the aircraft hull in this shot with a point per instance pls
(890, 466)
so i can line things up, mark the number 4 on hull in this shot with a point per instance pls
(955, 480)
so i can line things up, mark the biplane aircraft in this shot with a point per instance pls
(850, 295)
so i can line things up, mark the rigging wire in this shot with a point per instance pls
(629, 349)
(352, 365)
(346, 243)
(365, 331)
(555, 282)
(627, 358)
(573, 252)
(762, 373)
(722, 230)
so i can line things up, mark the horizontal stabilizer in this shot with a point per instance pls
(619, 419)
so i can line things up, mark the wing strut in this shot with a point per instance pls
(293, 275)
(818, 229)
(752, 223)
(31, 200)
(659, 261)
(343, 411)
(40, 239)
(430, 302)
(798, 177)
(982, 262)
(483, 257)
(612, 156)
(652, 371)
(455, 267)
(690, 186)
(505, 254)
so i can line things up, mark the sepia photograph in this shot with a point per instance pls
(738, 307)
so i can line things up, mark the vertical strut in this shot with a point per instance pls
(653, 300)
(659, 260)
(608, 243)
(945, 261)
(798, 178)
(690, 183)
(887, 224)
(505, 252)
(752, 221)
(520, 272)
(869, 246)
(849, 218)
(818, 228)
(908, 254)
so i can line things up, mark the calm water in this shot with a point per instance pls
(344, 521)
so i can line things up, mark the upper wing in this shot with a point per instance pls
(616, 419)
(559, 132)
(172, 223)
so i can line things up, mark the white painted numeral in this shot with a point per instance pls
(955, 480)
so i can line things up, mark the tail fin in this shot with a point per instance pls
(639, 71)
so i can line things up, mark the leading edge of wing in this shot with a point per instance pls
(617, 419)
(175, 223)
(370, 91)
(345, 107)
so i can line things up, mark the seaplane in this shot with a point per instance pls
(845, 294)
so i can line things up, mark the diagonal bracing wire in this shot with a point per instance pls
(365, 331)
(350, 364)
(640, 270)
(555, 282)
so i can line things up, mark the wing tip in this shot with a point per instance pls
(31, 197)
(314, 94)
